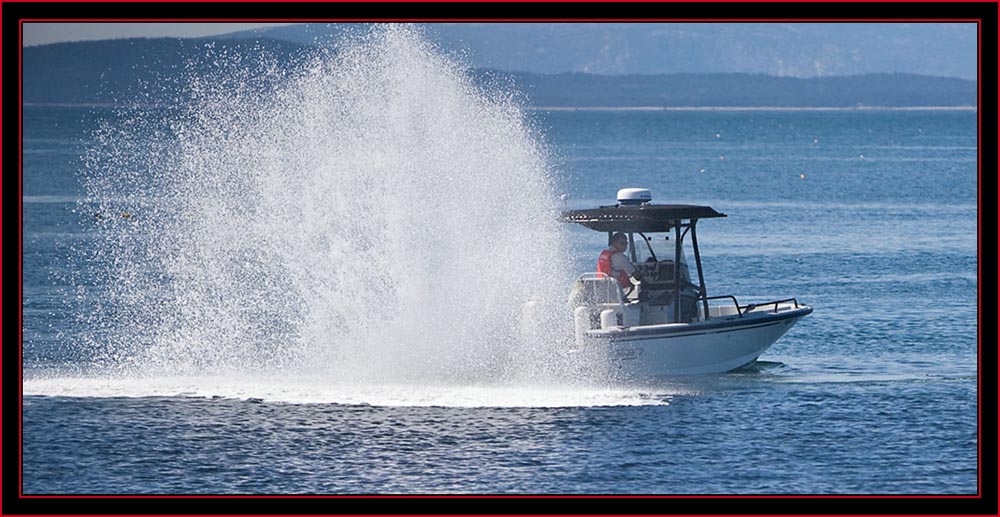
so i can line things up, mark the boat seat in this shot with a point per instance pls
(596, 289)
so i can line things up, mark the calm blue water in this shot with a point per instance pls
(870, 217)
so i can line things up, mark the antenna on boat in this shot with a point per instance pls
(634, 196)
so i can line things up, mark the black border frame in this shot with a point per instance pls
(985, 13)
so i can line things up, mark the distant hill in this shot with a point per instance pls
(801, 50)
(152, 71)
(132, 70)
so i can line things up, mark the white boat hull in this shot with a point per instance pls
(715, 345)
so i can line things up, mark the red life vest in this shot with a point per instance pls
(604, 266)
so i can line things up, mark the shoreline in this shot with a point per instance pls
(752, 108)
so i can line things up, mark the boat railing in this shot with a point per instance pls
(776, 304)
(743, 309)
(723, 297)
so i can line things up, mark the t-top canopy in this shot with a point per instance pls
(646, 218)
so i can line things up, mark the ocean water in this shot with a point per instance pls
(313, 295)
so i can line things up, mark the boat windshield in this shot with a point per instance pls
(658, 248)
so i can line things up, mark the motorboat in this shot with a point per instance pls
(665, 323)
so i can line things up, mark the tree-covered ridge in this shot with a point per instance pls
(154, 71)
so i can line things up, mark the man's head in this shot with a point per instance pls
(620, 241)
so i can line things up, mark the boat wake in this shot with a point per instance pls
(321, 390)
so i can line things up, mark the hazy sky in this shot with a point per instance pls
(44, 33)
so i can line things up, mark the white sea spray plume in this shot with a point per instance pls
(369, 216)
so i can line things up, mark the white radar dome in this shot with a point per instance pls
(634, 196)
